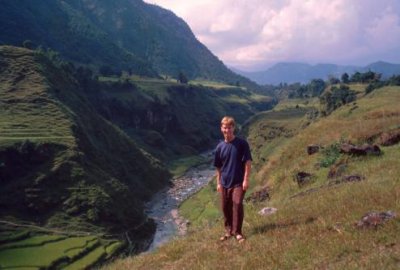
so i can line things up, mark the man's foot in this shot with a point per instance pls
(225, 237)
(240, 238)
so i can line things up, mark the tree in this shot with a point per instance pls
(106, 70)
(333, 80)
(316, 87)
(182, 78)
(356, 77)
(28, 44)
(336, 97)
(345, 78)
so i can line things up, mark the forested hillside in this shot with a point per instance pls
(115, 36)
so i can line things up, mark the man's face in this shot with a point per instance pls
(227, 131)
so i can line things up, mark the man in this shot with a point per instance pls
(233, 162)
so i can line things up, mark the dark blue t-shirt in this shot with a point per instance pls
(231, 158)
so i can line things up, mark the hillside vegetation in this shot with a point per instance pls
(64, 168)
(318, 223)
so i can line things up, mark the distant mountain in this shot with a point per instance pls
(303, 73)
(386, 69)
(123, 34)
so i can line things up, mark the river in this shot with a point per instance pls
(163, 207)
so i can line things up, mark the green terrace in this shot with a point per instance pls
(30, 249)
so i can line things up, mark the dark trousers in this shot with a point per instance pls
(232, 207)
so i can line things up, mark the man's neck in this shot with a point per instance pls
(228, 140)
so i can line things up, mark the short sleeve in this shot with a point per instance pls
(246, 153)
(217, 158)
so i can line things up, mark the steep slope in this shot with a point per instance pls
(62, 165)
(318, 224)
(123, 34)
(56, 25)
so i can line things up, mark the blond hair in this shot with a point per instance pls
(228, 120)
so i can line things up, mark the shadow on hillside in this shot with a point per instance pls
(282, 225)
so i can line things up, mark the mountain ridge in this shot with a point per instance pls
(292, 72)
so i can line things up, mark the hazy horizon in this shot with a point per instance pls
(268, 66)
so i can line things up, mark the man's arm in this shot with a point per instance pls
(219, 187)
(247, 169)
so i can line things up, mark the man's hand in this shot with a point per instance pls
(219, 187)
(247, 168)
(245, 184)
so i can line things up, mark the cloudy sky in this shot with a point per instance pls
(254, 34)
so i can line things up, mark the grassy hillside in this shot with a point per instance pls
(315, 225)
(63, 167)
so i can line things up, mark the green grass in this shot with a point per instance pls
(286, 104)
(9, 236)
(40, 251)
(33, 241)
(213, 84)
(113, 248)
(54, 251)
(202, 208)
(179, 166)
(89, 259)
(76, 251)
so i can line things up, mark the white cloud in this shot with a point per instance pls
(256, 32)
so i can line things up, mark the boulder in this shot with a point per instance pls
(312, 149)
(259, 196)
(266, 211)
(375, 219)
(352, 178)
(363, 150)
(389, 138)
(348, 178)
(302, 178)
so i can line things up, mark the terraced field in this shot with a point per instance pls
(26, 249)
(27, 110)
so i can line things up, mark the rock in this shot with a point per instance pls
(389, 138)
(302, 178)
(374, 219)
(259, 196)
(266, 211)
(312, 149)
(352, 178)
(348, 178)
(360, 150)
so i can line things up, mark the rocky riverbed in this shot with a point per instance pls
(163, 208)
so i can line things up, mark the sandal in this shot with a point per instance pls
(240, 238)
(225, 237)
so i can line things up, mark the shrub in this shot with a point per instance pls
(330, 155)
